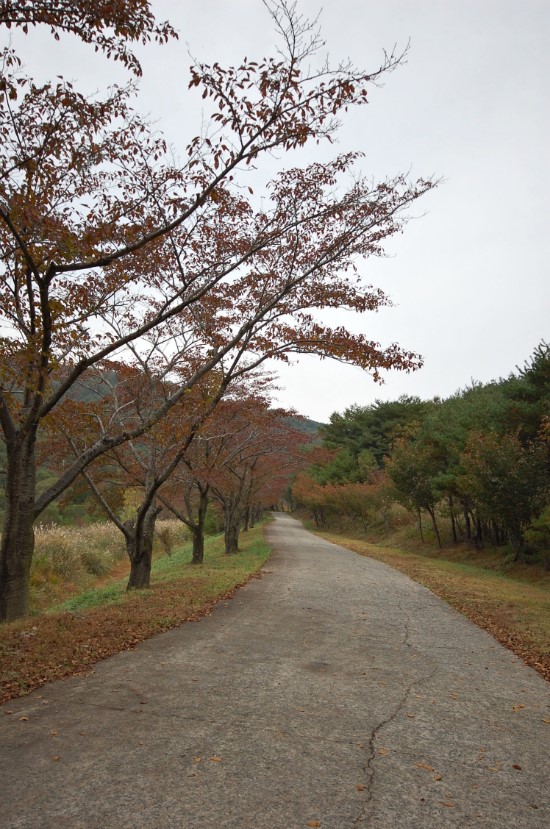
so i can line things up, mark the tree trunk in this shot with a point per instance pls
(246, 519)
(453, 520)
(517, 543)
(436, 529)
(17, 546)
(419, 519)
(232, 526)
(198, 546)
(232, 539)
(479, 532)
(468, 523)
(139, 546)
(198, 530)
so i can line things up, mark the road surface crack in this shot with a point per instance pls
(369, 769)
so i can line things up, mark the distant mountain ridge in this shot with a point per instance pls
(304, 424)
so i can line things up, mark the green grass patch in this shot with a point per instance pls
(94, 597)
(69, 561)
(220, 571)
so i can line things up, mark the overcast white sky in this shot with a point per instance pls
(469, 277)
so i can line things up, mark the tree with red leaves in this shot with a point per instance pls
(109, 25)
(107, 244)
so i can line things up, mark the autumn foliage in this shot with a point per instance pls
(111, 250)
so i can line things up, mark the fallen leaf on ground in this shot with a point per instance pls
(383, 751)
(216, 759)
(197, 759)
(516, 766)
(23, 719)
(313, 823)
(448, 804)
(518, 707)
(360, 787)
(425, 766)
(437, 777)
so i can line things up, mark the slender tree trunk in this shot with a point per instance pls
(247, 519)
(232, 539)
(453, 520)
(479, 532)
(436, 529)
(198, 530)
(253, 516)
(17, 545)
(517, 543)
(232, 526)
(467, 523)
(419, 519)
(139, 546)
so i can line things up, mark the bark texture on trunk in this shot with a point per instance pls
(17, 545)
(139, 546)
(198, 547)
(232, 527)
(232, 538)
(436, 529)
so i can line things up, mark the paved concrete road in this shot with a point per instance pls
(334, 692)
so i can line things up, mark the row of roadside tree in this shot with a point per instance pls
(161, 264)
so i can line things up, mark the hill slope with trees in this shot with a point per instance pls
(474, 467)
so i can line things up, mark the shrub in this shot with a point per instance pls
(56, 553)
(95, 563)
(170, 533)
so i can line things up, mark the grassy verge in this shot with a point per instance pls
(513, 604)
(70, 638)
(69, 560)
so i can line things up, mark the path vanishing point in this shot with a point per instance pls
(334, 693)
